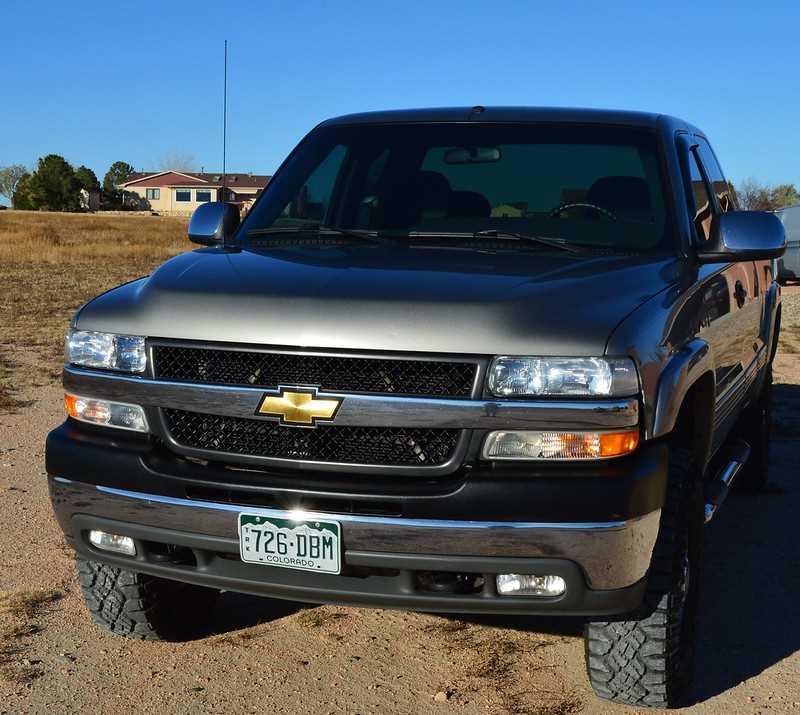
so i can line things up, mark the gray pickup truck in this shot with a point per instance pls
(480, 360)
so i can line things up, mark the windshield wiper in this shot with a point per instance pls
(317, 230)
(558, 243)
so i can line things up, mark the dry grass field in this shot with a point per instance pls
(54, 262)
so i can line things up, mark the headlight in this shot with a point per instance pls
(106, 350)
(589, 377)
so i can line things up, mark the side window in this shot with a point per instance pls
(726, 198)
(703, 208)
(312, 201)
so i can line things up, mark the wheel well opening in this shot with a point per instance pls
(695, 421)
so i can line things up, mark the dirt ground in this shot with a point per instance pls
(282, 657)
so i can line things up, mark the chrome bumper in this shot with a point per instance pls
(611, 554)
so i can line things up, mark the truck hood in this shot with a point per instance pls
(375, 297)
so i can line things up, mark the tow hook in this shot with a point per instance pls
(719, 487)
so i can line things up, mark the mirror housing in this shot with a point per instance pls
(213, 222)
(744, 236)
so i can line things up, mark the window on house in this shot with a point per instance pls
(153, 194)
(183, 195)
(202, 196)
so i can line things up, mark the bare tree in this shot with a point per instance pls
(9, 178)
(176, 161)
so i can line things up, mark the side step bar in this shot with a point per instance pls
(720, 486)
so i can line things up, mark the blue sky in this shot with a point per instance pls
(98, 82)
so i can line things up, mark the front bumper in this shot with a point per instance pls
(382, 555)
(594, 525)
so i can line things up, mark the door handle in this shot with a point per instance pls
(741, 293)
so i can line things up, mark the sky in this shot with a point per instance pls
(139, 81)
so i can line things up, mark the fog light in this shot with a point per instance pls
(529, 445)
(520, 584)
(112, 542)
(107, 414)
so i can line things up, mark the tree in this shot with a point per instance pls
(784, 195)
(9, 179)
(22, 194)
(176, 161)
(754, 196)
(118, 173)
(53, 186)
(87, 178)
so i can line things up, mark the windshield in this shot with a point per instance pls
(589, 186)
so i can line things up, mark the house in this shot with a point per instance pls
(179, 193)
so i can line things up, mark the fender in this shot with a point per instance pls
(683, 369)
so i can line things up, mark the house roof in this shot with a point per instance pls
(193, 178)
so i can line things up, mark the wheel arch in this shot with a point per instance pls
(685, 397)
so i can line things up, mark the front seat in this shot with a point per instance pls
(468, 204)
(628, 197)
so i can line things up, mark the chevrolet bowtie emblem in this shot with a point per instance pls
(299, 406)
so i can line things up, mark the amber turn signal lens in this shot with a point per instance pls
(70, 405)
(615, 444)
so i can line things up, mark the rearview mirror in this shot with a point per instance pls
(472, 155)
(744, 236)
(213, 222)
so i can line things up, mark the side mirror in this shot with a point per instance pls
(213, 222)
(744, 236)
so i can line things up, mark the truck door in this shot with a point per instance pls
(751, 276)
(730, 312)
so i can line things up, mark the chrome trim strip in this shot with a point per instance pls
(363, 409)
(613, 554)
(300, 514)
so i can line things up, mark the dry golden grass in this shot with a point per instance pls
(25, 604)
(17, 608)
(53, 263)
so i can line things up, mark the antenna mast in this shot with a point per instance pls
(224, 123)
(224, 115)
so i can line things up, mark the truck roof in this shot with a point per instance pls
(507, 114)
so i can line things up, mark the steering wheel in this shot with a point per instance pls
(610, 215)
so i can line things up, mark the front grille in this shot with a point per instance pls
(385, 446)
(420, 378)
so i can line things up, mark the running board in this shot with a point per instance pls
(718, 489)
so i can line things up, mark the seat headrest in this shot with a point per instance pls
(470, 204)
(620, 193)
(433, 190)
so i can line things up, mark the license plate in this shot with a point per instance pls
(307, 545)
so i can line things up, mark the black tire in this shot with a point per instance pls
(756, 429)
(647, 659)
(144, 607)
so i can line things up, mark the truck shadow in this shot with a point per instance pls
(748, 619)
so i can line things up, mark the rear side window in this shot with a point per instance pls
(703, 208)
(722, 189)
